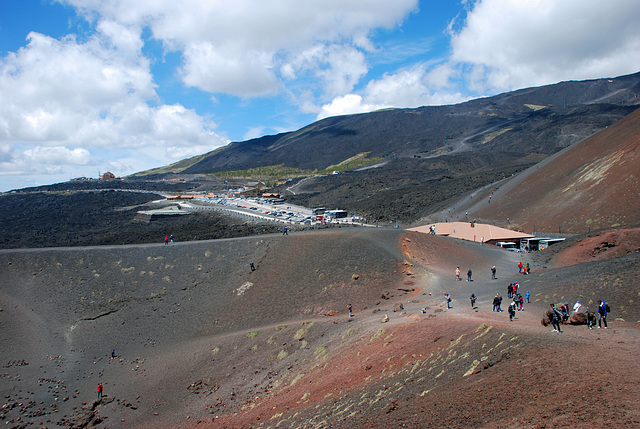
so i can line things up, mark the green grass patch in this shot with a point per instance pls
(535, 107)
(268, 173)
(360, 160)
(252, 334)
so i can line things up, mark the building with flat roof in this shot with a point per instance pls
(473, 231)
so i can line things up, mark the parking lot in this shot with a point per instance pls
(261, 209)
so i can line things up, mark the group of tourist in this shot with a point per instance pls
(524, 269)
(560, 314)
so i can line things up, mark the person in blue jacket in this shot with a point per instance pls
(603, 310)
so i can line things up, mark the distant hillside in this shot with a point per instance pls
(589, 186)
(539, 120)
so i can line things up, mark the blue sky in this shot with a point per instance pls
(89, 86)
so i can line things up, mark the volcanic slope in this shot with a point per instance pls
(591, 185)
(201, 340)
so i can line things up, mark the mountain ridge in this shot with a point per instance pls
(584, 106)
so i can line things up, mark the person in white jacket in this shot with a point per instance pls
(576, 307)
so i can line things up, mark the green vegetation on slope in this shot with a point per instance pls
(266, 174)
(273, 172)
(359, 160)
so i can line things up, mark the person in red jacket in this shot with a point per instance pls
(100, 388)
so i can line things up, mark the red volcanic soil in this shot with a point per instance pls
(588, 186)
(607, 244)
(201, 341)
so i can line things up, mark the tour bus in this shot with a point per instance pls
(508, 245)
(318, 211)
(336, 214)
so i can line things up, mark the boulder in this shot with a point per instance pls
(578, 319)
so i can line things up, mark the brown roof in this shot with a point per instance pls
(464, 231)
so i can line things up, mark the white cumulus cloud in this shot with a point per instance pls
(66, 104)
(514, 44)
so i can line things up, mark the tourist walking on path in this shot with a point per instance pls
(493, 273)
(473, 300)
(458, 274)
(512, 311)
(285, 231)
(521, 302)
(556, 316)
(166, 240)
(603, 310)
(499, 302)
(448, 297)
(100, 388)
(469, 275)
(528, 295)
(350, 308)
